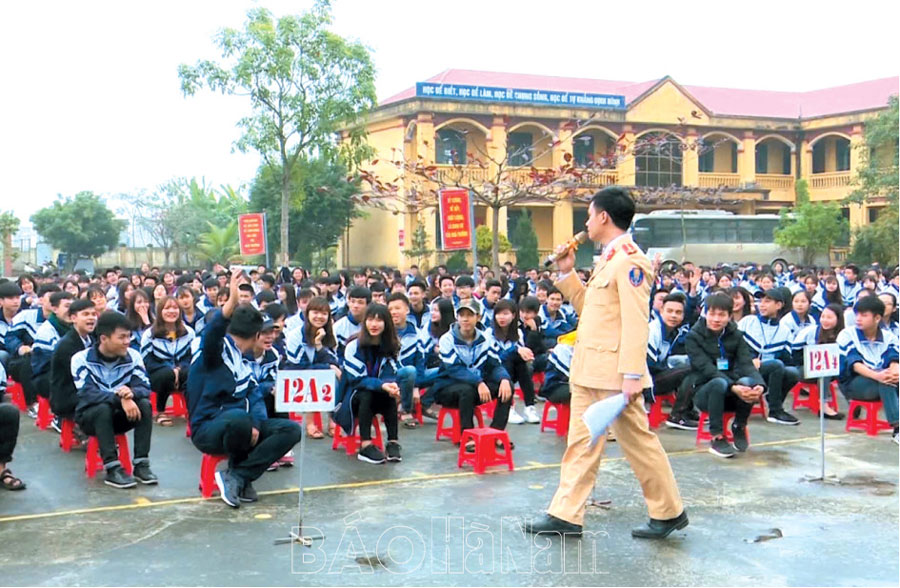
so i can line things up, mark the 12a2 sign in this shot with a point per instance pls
(820, 361)
(305, 391)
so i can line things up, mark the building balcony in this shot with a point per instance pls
(719, 180)
(775, 182)
(463, 175)
(839, 179)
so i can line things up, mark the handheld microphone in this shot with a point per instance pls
(573, 244)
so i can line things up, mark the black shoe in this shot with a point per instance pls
(393, 451)
(117, 477)
(248, 493)
(550, 524)
(229, 488)
(56, 424)
(781, 417)
(721, 447)
(740, 437)
(144, 475)
(657, 529)
(370, 454)
(838, 416)
(680, 422)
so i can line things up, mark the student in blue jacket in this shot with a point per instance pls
(166, 350)
(228, 413)
(370, 387)
(515, 357)
(314, 347)
(471, 373)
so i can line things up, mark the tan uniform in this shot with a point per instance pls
(613, 309)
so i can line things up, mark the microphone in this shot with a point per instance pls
(573, 243)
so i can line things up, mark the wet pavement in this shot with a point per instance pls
(754, 520)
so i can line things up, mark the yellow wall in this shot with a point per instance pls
(722, 156)
(667, 105)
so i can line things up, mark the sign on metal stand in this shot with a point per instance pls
(821, 361)
(303, 391)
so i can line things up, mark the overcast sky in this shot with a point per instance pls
(90, 98)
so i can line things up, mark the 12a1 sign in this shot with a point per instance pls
(305, 391)
(820, 361)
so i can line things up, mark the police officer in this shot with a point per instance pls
(610, 358)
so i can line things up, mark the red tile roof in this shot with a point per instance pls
(723, 101)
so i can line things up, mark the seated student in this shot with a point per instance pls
(358, 299)
(208, 301)
(46, 338)
(493, 290)
(166, 351)
(799, 317)
(227, 410)
(869, 360)
(63, 395)
(370, 387)
(471, 373)
(20, 343)
(98, 297)
(442, 318)
(336, 300)
(533, 333)
(889, 321)
(246, 295)
(556, 379)
(278, 314)
(113, 398)
(722, 374)
(411, 357)
(555, 321)
(770, 344)
(140, 315)
(10, 301)
(849, 313)
(515, 357)
(447, 289)
(9, 432)
(314, 347)
(667, 361)
(831, 322)
(266, 284)
(849, 284)
(190, 312)
(264, 361)
(419, 311)
(296, 320)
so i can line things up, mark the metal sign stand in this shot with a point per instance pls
(299, 537)
(822, 477)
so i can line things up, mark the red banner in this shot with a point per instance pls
(456, 226)
(251, 228)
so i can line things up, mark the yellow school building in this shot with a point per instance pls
(752, 145)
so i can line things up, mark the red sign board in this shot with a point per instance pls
(252, 230)
(456, 226)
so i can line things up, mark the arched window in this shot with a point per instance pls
(658, 158)
(450, 148)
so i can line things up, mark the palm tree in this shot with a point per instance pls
(219, 244)
(9, 224)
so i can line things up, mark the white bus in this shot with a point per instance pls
(709, 237)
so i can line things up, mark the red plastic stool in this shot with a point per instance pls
(812, 401)
(16, 394)
(656, 416)
(760, 408)
(537, 379)
(485, 454)
(44, 417)
(871, 424)
(352, 442)
(417, 412)
(488, 408)
(208, 473)
(178, 408)
(452, 432)
(67, 437)
(704, 435)
(93, 463)
(561, 423)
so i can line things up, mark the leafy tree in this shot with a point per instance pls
(304, 83)
(219, 244)
(9, 224)
(82, 227)
(484, 238)
(419, 249)
(321, 206)
(812, 227)
(525, 240)
(877, 181)
(457, 262)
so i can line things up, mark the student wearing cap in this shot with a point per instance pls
(470, 372)
(770, 342)
(264, 361)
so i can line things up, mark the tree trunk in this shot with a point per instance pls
(495, 241)
(285, 209)
(7, 255)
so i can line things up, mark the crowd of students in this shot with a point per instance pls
(721, 340)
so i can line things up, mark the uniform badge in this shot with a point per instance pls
(610, 254)
(636, 276)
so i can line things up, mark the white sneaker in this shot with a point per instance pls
(514, 417)
(531, 415)
(896, 438)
